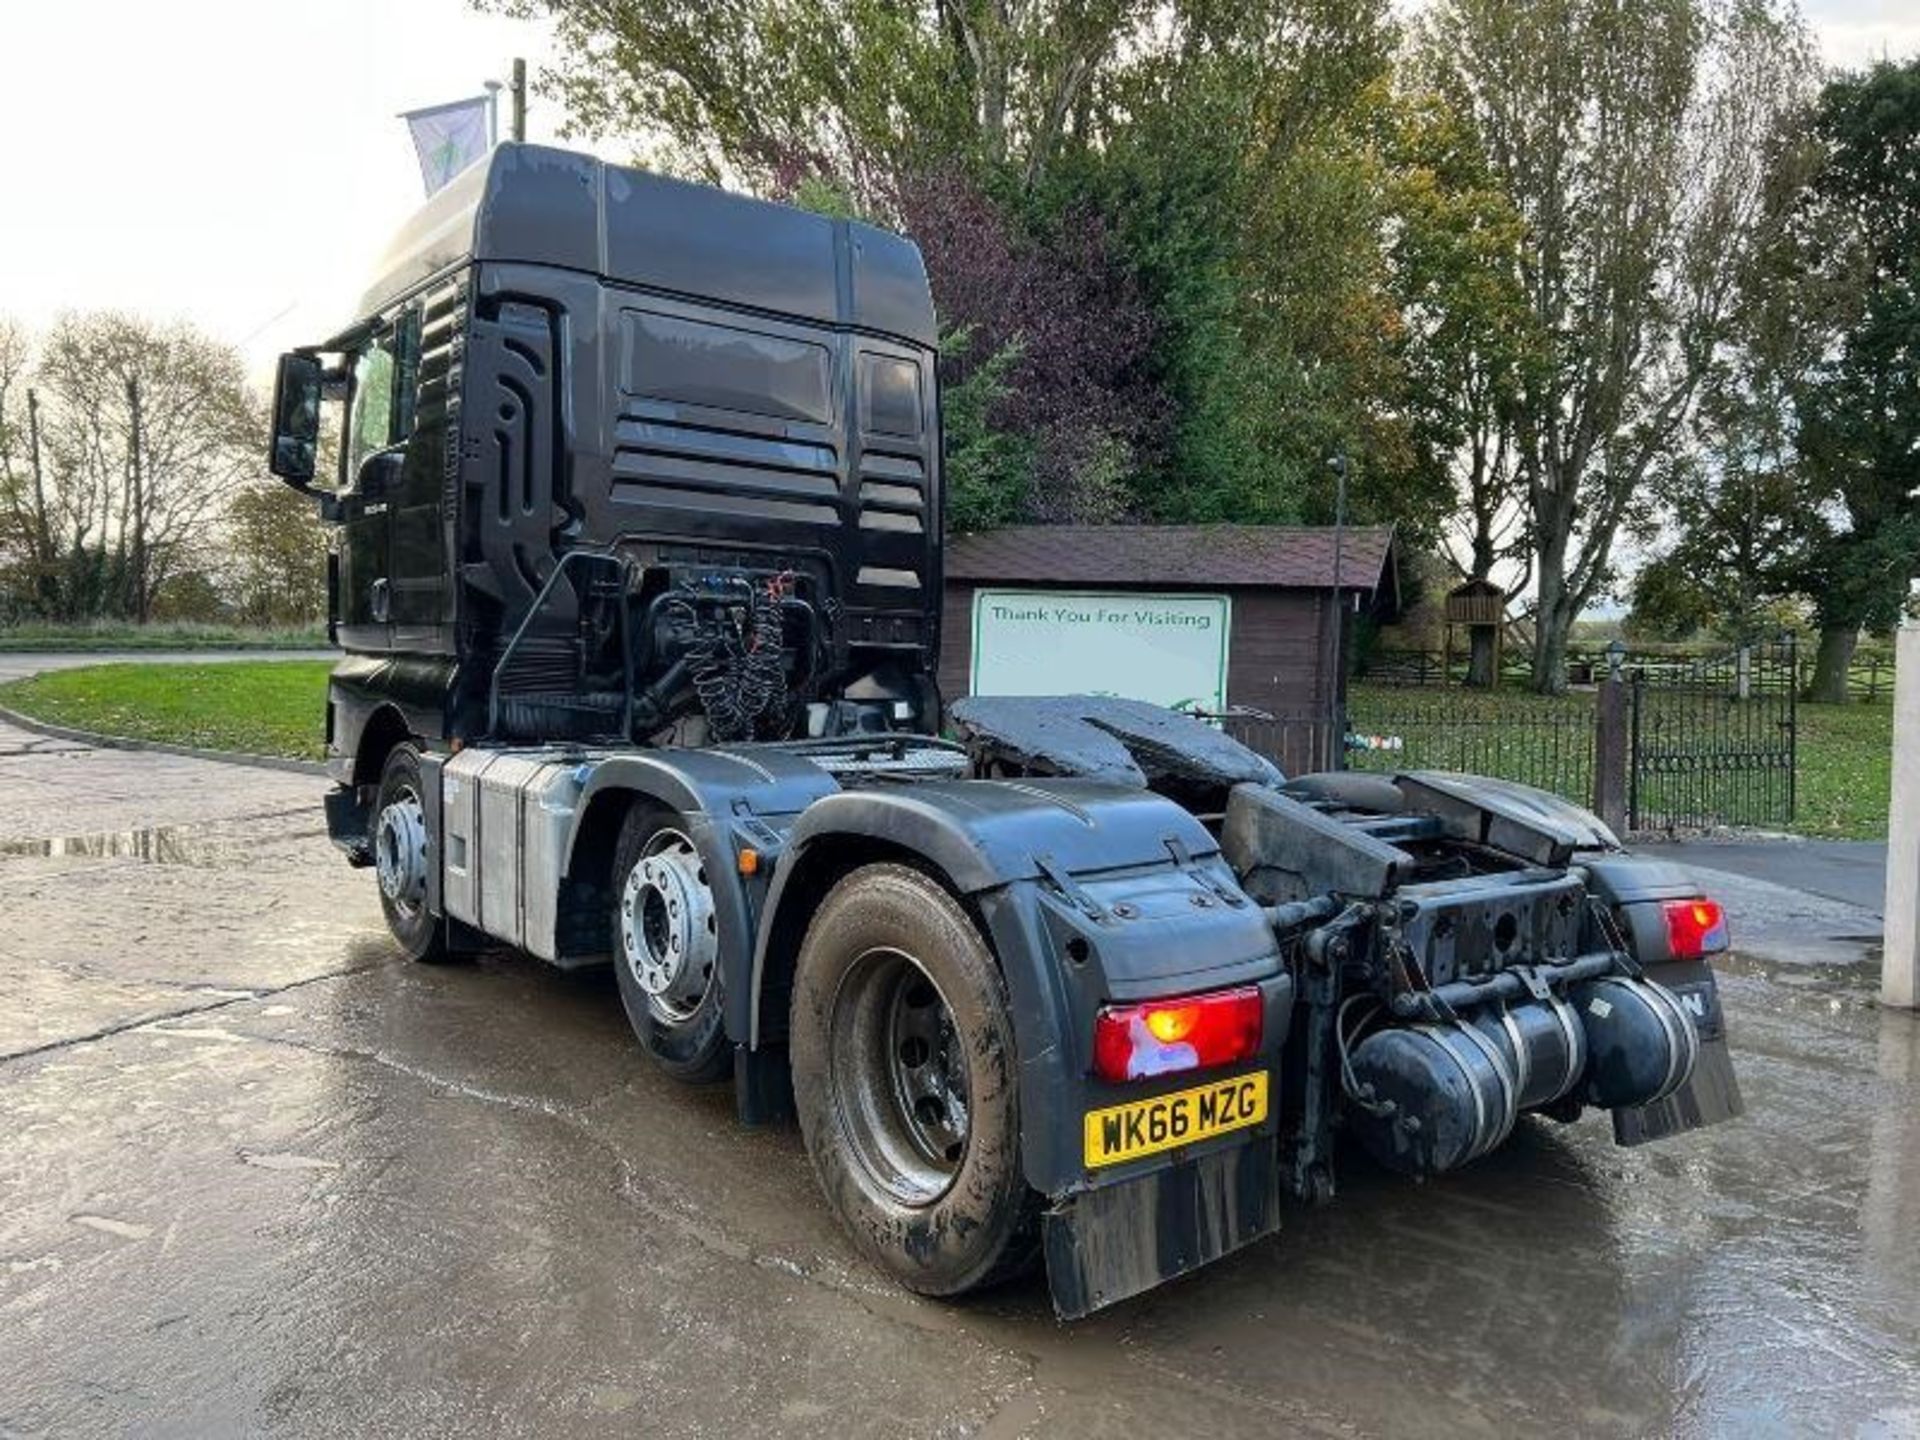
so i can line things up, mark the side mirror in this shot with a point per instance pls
(296, 419)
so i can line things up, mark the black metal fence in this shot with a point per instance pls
(1546, 743)
(1715, 744)
(1709, 741)
(1537, 741)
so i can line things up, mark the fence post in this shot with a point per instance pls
(1900, 959)
(1610, 745)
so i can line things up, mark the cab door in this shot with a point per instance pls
(380, 403)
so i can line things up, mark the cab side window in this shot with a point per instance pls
(385, 377)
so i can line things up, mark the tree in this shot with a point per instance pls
(989, 470)
(25, 543)
(1240, 172)
(1736, 510)
(1156, 219)
(753, 90)
(1055, 332)
(276, 545)
(1468, 342)
(112, 514)
(1632, 138)
(1858, 402)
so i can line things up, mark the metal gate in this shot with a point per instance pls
(1712, 740)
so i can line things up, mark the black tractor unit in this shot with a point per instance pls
(637, 578)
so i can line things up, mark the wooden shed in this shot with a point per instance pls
(1134, 609)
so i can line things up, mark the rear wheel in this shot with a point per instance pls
(906, 1086)
(400, 857)
(666, 947)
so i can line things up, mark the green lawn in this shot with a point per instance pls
(261, 707)
(278, 708)
(1845, 771)
(119, 635)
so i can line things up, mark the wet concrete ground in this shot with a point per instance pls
(258, 1175)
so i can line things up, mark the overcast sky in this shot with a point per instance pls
(235, 162)
(239, 163)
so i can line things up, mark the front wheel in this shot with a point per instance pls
(400, 857)
(666, 947)
(905, 1081)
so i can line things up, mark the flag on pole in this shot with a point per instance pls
(450, 137)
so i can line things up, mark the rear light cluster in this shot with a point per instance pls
(1165, 1037)
(1695, 928)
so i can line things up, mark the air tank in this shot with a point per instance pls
(1443, 1093)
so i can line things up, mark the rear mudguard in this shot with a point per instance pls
(1089, 893)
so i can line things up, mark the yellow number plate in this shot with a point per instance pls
(1145, 1127)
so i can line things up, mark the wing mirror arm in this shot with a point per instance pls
(332, 512)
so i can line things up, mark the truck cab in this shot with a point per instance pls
(636, 583)
(561, 354)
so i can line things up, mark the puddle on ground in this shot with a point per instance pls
(1862, 975)
(155, 845)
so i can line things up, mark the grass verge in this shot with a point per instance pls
(278, 707)
(1845, 771)
(258, 707)
(41, 638)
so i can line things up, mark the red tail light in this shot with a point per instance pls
(1695, 928)
(1164, 1037)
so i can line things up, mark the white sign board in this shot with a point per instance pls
(1167, 649)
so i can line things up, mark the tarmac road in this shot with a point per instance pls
(259, 1175)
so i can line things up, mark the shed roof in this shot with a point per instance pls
(1294, 557)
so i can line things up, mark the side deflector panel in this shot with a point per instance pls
(512, 453)
(1537, 826)
(1105, 737)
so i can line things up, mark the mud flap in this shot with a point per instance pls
(1709, 1096)
(1711, 1093)
(1105, 1245)
(347, 824)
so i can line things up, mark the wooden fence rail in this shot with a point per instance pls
(1869, 677)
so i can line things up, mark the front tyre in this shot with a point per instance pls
(905, 1081)
(400, 857)
(666, 947)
